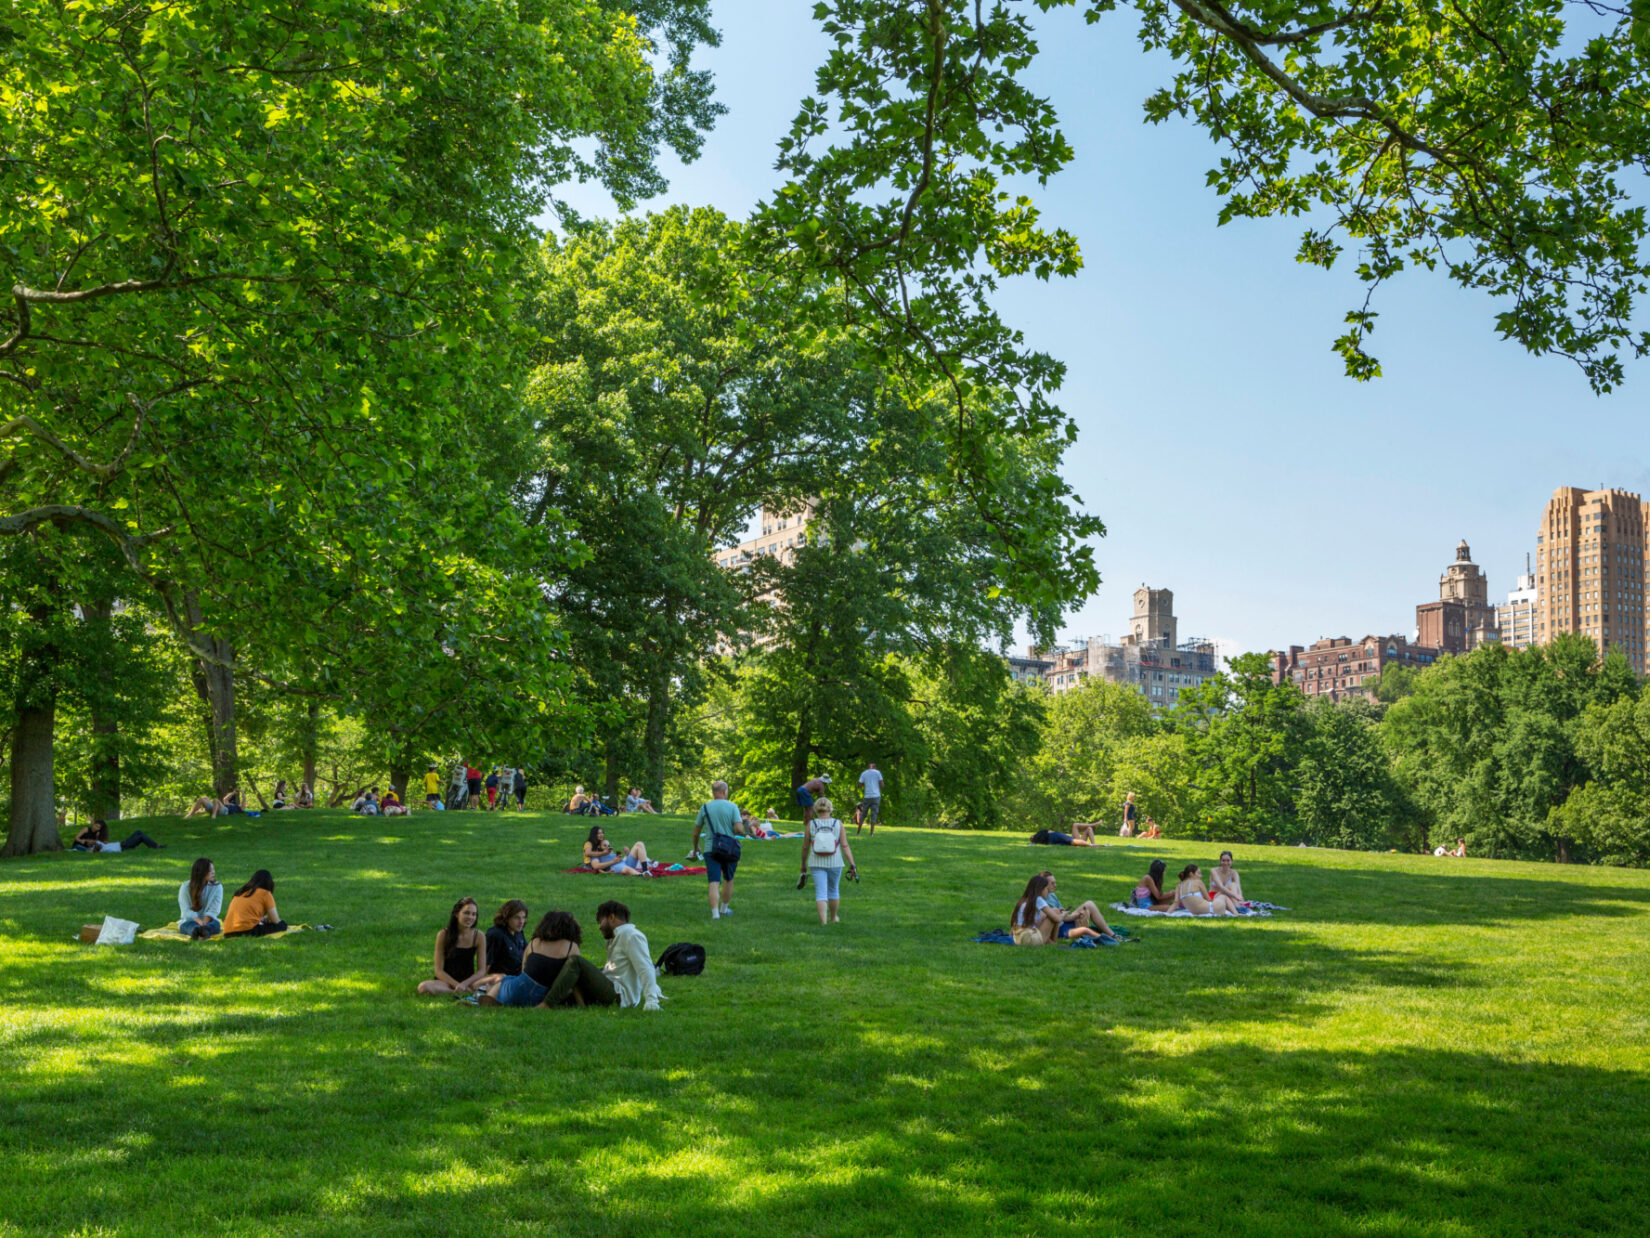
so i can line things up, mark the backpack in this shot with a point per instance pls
(682, 959)
(815, 836)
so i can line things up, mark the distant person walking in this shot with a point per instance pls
(472, 786)
(719, 817)
(432, 787)
(1128, 817)
(518, 784)
(871, 814)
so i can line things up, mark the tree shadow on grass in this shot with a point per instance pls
(586, 1123)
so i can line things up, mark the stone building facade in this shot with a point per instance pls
(1152, 657)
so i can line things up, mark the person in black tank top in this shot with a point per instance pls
(555, 940)
(460, 953)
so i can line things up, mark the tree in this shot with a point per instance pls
(1609, 816)
(1073, 774)
(979, 727)
(1347, 795)
(1243, 733)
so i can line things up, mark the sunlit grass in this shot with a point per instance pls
(1422, 1046)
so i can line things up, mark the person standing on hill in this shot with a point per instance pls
(719, 816)
(871, 781)
(1128, 817)
(432, 787)
(518, 784)
(472, 786)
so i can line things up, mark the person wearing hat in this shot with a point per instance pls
(432, 787)
(807, 792)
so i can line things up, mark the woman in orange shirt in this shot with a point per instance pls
(252, 909)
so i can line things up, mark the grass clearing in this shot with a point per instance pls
(1422, 1047)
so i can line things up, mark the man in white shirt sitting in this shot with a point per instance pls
(628, 979)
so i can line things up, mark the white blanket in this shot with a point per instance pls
(1182, 913)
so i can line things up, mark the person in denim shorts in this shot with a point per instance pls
(720, 817)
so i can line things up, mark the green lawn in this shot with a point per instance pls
(1422, 1047)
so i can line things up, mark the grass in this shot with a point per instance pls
(1422, 1047)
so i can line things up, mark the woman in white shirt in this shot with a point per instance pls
(825, 853)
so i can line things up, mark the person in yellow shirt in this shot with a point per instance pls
(432, 788)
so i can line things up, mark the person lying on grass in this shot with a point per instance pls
(1225, 880)
(1059, 922)
(599, 855)
(460, 953)
(1058, 838)
(252, 909)
(556, 940)
(95, 837)
(1193, 896)
(505, 940)
(199, 900)
(205, 806)
(1149, 894)
(1083, 831)
(391, 806)
(635, 803)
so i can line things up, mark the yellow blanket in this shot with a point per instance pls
(170, 933)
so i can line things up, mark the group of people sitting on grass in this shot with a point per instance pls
(504, 967)
(251, 908)
(371, 804)
(586, 805)
(1223, 896)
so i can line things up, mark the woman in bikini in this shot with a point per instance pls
(1149, 895)
(1193, 896)
(1225, 880)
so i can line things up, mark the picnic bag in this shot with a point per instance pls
(684, 958)
(825, 842)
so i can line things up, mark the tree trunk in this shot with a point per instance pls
(310, 742)
(802, 750)
(104, 774)
(33, 796)
(610, 775)
(653, 740)
(215, 683)
(401, 775)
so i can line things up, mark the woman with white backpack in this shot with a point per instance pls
(825, 853)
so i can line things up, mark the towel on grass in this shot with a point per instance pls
(1002, 937)
(1248, 909)
(661, 870)
(170, 933)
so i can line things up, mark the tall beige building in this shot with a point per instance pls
(1590, 570)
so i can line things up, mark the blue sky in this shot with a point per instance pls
(1229, 457)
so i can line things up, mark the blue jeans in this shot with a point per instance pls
(827, 883)
(210, 929)
(521, 990)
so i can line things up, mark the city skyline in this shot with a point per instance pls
(1230, 458)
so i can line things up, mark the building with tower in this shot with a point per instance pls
(1590, 556)
(1152, 657)
(1462, 617)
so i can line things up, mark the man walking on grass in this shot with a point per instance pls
(871, 806)
(719, 816)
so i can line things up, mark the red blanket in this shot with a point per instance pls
(657, 872)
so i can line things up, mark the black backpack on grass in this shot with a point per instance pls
(682, 959)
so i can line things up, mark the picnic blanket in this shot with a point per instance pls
(768, 838)
(1002, 937)
(673, 870)
(1245, 910)
(170, 933)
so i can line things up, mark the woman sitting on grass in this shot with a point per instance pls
(1225, 880)
(306, 796)
(555, 941)
(599, 855)
(505, 940)
(460, 953)
(1080, 921)
(199, 900)
(95, 837)
(1193, 896)
(252, 909)
(1149, 894)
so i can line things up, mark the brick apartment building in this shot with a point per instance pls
(1338, 666)
(1151, 657)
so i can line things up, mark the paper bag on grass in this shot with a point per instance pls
(116, 932)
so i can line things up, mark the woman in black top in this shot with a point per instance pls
(460, 952)
(95, 837)
(555, 940)
(505, 940)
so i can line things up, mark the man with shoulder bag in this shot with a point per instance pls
(719, 816)
(825, 854)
